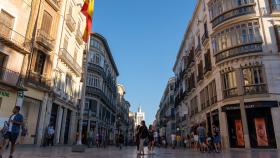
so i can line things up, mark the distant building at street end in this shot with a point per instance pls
(139, 116)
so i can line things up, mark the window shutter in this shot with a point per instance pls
(46, 23)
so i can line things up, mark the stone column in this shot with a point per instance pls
(58, 124)
(224, 129)
(41, 120)
(276, 119)
(73, 127)
(240, 87)
(244, 124)
(62, 131)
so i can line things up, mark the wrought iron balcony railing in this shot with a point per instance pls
(239, 50)
(14, 39)
(66, 57)
(233, 13)
(45, 40)
(255, 89)
(38, 80)
(9, 77)
(232, 92)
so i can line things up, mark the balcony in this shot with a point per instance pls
(233, 13)
(79, 37)
(45, 40)
(239, 50)
(65, 56)
(14, 40)
(38, 81)
(9, 77)
(255, 89)
(93, 91)
(70, 22)
(55, 4)
(275, 7)
(232, 92)
(205, 38)
(96, 68)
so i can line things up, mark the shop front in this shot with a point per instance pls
(259, 122)
(212, 118)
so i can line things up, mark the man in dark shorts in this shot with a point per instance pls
(15, 122)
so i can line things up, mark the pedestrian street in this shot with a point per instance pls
(130, 152)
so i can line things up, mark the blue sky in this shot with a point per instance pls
(144, 37)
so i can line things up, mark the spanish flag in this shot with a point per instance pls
(87, 10)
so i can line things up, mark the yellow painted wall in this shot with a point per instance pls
(8, 104)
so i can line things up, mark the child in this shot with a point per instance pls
(209, 142)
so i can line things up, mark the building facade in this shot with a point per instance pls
(14, 49)
(139, 116)
(227, 71)
(48, 73)
(101, 90)
(67, 72)
(166, 115)
(123, 106)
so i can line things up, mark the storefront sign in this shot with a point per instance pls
(4, 94)
(250, 105)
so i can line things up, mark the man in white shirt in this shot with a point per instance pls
(173, 140)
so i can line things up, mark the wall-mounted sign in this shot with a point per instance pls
(4, 94)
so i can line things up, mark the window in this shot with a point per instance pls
(229, 84)
(240, 34)
(194, 107)
(253, 80)
(91, 57)
(68, 83)
(6, 23)
(46, 22)
(277, 34)
(3, 58)
(97, 59)
(202, 99)
(93, 81)
(275, 5)
(58, 80)
(65, 42)
(40, 62)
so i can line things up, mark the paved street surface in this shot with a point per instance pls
(130, 152)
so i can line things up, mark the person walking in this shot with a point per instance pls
(173, 140)
(97, 140)
(201, 138)
(143, 134)
(121, 140)
(217, 138)
(137, 138)
(151, 139)
(50, 136)
(90, 137)
(15, 122)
